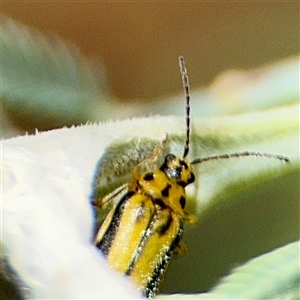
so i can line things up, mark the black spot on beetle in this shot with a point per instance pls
(182, 202)
(165, 191)
(182, 183)
(149, 176)
(191, 178)
(160, 203)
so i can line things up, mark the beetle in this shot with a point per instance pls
(144, 228)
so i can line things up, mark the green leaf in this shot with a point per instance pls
(274, 275)
(46, 82)
(246, 207)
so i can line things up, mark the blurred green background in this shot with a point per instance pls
(138, 43)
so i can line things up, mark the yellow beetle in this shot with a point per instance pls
(144, 228)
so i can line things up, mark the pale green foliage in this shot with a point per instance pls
(45, 82)
(274, 275)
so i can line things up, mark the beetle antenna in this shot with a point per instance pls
(186, 88)
(239, 154)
